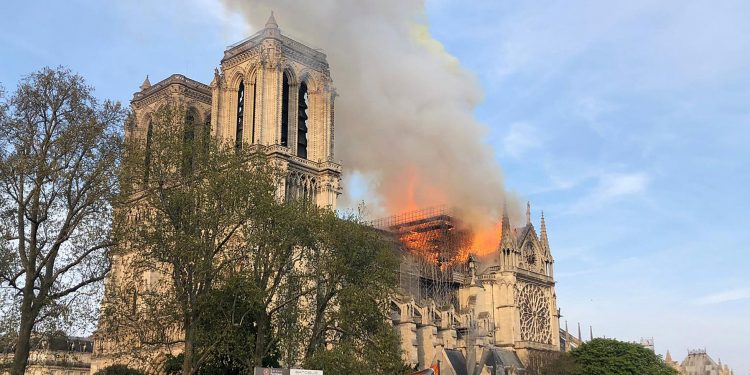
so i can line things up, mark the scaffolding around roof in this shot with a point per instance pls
(434, 246)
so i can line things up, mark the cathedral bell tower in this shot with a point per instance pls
(276, 94)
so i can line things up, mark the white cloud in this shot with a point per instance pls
(613, 186)
(724, 296)
(521, 138)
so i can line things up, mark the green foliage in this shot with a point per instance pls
(609, 357)
(230, 311)
(354, 279)
(199, 197)
(378, 354)
(60, 149)
(119, 370)
(251, 279)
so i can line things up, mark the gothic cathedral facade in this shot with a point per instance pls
(503, 315)
(275, 94)
(272, 93)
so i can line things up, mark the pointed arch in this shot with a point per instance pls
(287, 83)
(191, 123)
(237, 78)
(240, 112)
(252, 74)
(311, 105)
(148, 146)
(303, 104)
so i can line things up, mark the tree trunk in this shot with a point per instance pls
(260, 339)
(188, 362)
(23, 345)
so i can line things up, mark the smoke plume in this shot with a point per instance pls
(404, 115)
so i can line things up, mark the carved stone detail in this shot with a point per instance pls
(534, 310)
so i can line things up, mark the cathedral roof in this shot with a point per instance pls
(457, 360)
(523, 232)
(500, 358)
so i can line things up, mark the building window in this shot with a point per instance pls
(240, 114)
(188, 142)
(206, 137)
(255, 104)
(302, 122)
(147, 157)
(284, 111)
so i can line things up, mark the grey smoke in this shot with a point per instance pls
(405, 104)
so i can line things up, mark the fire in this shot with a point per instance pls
(415, 193)
(477, 234)
(486, 238)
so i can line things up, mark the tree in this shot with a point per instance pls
(610, 357)
(354, 277)
(188, 201)
(216, 265)
(59, 153)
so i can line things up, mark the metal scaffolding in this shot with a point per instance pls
(434, 248)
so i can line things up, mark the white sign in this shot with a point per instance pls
(305, 372)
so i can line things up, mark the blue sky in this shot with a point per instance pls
(627, 122)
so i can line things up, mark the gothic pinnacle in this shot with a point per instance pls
(146, 83)
(543, 232)
(271, 23)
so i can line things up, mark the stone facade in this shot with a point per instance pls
(275, 95)
(271, 94)
(502, 309)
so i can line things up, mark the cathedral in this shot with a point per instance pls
(474, 316)
(467, 315)
(272, 93)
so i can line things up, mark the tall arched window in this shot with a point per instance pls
(285, 111)
(240, 114)
(147, 158)
(188, 142)
(302, 121)
(255, 105)
(206, 136)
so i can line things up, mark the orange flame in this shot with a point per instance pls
(416, 193)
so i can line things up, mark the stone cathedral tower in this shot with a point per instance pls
(275, 92)
(271, 94)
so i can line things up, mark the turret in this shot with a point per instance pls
(507, 244)
(272, 28)
(146, 83)
(543, 236)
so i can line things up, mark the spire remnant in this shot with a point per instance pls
(528, 213)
